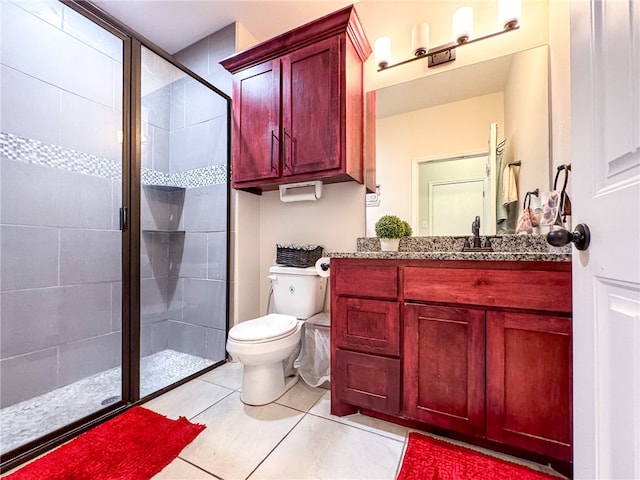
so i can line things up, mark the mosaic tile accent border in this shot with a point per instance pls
(199, 177)
(27, 150)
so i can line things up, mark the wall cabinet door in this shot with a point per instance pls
(311, 109)
(443, 372)
(304, 86)
(256, 117)
(307, 89)
(529, 382)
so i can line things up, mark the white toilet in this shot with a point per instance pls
(268, 346)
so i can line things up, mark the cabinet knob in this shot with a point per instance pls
(581, 237)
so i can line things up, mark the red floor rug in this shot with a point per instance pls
(427, 458)
(133, 446)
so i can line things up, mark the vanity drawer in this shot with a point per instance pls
(530, 289)
(368, 381)
(365, 280)
(366, 325)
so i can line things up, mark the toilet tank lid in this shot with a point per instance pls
(293, 270)
(270, 326)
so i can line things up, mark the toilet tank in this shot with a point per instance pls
(297, 291)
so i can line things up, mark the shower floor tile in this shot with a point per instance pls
(30, 419)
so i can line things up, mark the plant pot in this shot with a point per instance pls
(389, 244)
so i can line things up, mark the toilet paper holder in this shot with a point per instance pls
(301, 191)
(323, 266)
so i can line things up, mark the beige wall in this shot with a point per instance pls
(526, 101)
(375, 16)
(427, 133)
(560, 73)
(334, 221)
(258, 219)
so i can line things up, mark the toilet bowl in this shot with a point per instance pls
(268, 346)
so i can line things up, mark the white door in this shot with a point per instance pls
(605, 118)
(454, 205)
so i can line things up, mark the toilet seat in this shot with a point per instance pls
(264, 329)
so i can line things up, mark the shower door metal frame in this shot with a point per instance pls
(131, 228)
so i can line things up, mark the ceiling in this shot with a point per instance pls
(176, 24)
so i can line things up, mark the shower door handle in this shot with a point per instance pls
(123, 218)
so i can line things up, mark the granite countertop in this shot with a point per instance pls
(531, 248)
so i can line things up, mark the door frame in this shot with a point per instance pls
(415, 177)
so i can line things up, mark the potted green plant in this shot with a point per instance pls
(390, 229)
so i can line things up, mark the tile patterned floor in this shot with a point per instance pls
(30, 419)
(294, 438)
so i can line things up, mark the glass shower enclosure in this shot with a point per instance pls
(183, 244)
(113, 222)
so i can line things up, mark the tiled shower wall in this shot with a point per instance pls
(60, 189)
(184, 300)
(60, 194)
(204, 294)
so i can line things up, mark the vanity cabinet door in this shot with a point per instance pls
(256, 123)
(533, 290)
(369, 326)
(367, 381)
(443, 372)
(529, 382)
(365, 280)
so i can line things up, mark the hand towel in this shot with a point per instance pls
(509, 186)
(501, 212)
(550, 207)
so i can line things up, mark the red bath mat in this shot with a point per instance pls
(427, 458)
(132, 446)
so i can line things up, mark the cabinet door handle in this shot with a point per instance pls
(273, 135)
(286, 165)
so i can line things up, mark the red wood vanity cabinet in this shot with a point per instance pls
(298, 106)
(480, 350)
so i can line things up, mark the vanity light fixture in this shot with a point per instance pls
(508, 17)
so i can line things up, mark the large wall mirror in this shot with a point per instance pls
(436, 142)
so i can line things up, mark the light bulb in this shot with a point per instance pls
(382, 48)
(420, 39)
(462, 24)
(509, 12)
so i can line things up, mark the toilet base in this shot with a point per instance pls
(262, 384)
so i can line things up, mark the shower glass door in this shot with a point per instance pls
(183, 242)
(60, 191)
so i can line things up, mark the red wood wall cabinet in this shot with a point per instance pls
(299, 106)
(474, 348)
